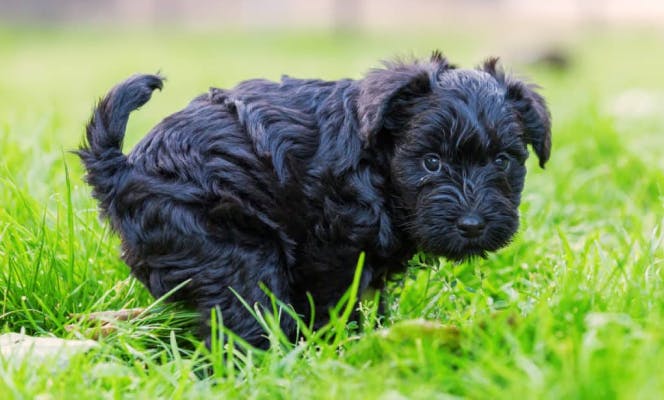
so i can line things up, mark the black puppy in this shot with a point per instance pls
(285, 183)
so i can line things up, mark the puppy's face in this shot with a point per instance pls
(458, 144)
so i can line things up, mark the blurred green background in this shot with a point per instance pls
(574, 308)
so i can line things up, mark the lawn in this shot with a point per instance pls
(574, 308)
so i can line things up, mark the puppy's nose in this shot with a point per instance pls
(471, 225)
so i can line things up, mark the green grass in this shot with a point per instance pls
(574, 308)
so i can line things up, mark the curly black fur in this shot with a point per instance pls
(285, 183)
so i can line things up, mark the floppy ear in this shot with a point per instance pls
(532, 110)
(535, 117)
(386, 94)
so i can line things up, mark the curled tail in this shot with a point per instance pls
(101, 152)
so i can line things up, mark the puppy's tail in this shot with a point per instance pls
(101, 152)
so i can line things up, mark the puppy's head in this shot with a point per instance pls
(456, 144)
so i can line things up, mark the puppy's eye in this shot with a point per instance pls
(431, 163)
(502, 162)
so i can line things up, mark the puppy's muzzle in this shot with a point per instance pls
(471, 225)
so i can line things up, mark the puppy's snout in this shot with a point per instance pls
(471, 225)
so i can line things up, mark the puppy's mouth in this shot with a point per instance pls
(459, 252)
(456, 246)
(470, 251)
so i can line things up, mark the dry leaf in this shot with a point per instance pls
(17, 347)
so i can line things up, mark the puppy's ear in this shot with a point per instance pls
(532, 110)
(386, 95)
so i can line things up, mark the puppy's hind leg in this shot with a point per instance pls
(227, 275)
(173, 239)
(236, 281)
